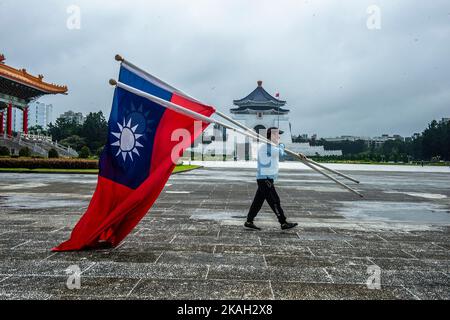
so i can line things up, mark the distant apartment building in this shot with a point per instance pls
(17, 120)
(73, 116)
(39, 114)
(346, 138)
(376, 141)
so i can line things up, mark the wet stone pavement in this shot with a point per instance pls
(192, 244)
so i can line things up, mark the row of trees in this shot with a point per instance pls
(433, 144)
(435, 141)
(87, 138)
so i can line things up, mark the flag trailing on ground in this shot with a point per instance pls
(137, 160)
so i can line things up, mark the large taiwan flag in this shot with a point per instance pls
(136, 162)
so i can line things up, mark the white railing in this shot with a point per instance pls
(36, 137)
(49, 142)
(40, 144)
(60, 147)
(22, 143)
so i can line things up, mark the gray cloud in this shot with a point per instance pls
(337, 76)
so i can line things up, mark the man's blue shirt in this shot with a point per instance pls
(268, 161)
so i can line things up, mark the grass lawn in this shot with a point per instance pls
(184, 168)
(178, 169)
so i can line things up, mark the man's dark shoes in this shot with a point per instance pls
(251, 225)
(288, 225)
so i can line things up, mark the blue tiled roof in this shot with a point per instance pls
(258, 98)
(259, 108)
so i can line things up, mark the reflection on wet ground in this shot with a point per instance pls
(405, 192)
(40, 200)
(406, 212)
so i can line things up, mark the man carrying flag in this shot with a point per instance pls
(147, 117)
(137, 160)
(268, 158)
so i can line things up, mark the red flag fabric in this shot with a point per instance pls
(134, 167)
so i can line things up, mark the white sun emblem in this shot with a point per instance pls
(127, 142)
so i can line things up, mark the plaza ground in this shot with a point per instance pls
(192, 244)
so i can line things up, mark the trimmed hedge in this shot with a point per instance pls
(4, 151)
(25, 152)
(53, 154)
(48, 163)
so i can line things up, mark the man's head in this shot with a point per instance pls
(273, 134)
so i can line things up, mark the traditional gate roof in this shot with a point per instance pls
(20, 84)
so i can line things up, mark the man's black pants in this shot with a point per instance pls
(266, 191)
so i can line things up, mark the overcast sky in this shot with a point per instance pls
(339, 76)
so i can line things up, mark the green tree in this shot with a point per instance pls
(429, 142)
(99, 151)
(435, 141)
(25, 152)
(4, 151)
(446, 141)
(63, 128)
(299, 139)
(84, 152)
(95, 130)
(37, 130)
(416, 148)
(53, 154)
(75, 142)
(347, 147)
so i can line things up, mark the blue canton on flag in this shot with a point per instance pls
(127, 155)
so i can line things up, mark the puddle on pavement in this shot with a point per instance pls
(316, 188)
(215, 215)
(21, 186)
(178, 192)
(412, 212)
(419, 194)
(37, 201)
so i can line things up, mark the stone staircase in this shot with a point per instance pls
(38, 145)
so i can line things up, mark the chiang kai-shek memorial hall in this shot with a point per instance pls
(260, 111)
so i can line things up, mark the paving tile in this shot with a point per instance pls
(438, 292)
(202, 290)
(312, 261)
(214, 240)
(147, 270)
(201, 258)
(303, 274)
(39, 268)
(308, 291)
(57, 286)
(173, 255)
(269, 250)
(358, 252)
